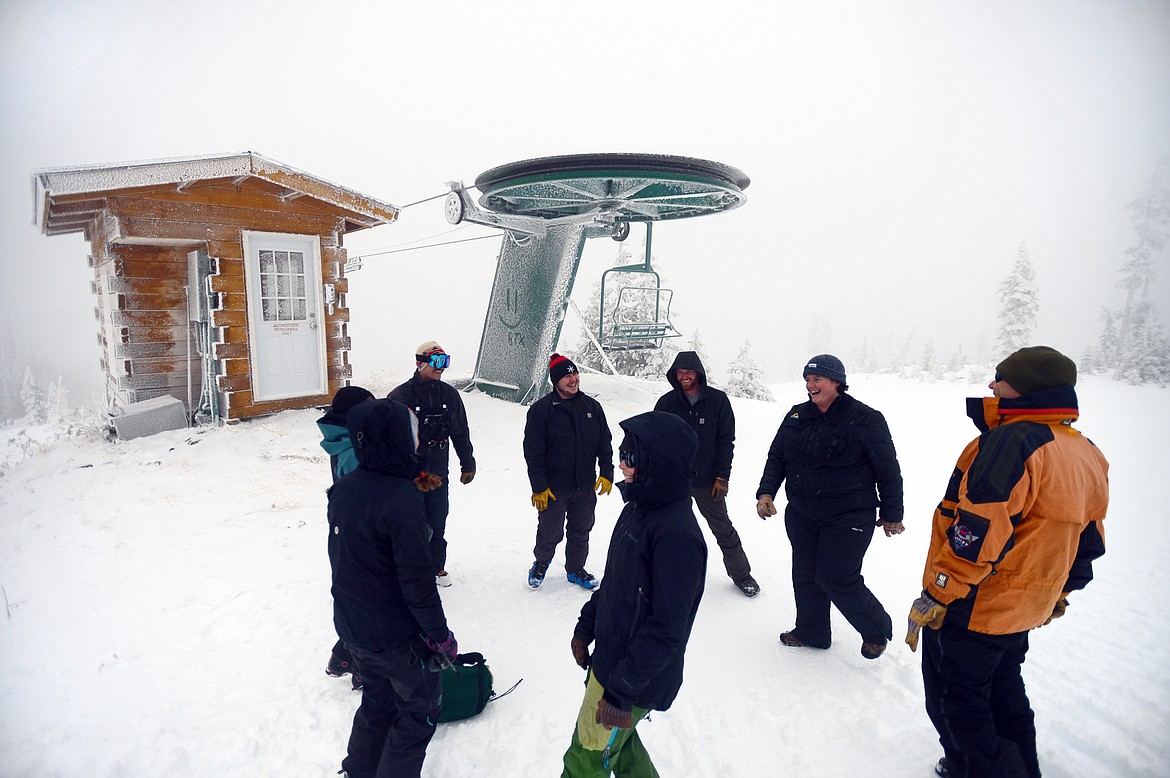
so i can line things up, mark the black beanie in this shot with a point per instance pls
(1036, 368)
(559, 367)
(343, 401)
(828, 366)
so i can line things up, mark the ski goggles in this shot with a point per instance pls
(437, 361)
(627, 458)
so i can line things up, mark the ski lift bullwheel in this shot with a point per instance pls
(617, 187)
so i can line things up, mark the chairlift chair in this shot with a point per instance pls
(628, 329)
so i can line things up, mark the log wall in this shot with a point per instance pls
(140, 243)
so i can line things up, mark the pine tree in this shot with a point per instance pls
(928, 359)
(32, 399)
(745, 377)
(1107, 342)
(1019, 305)
(696, 345)
(1139, 328)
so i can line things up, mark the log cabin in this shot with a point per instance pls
(220, 280)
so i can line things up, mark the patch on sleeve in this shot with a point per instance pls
(941, 579)
(966, 535)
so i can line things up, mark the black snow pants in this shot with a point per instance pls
(826, 568)
(976, 699)
(395, 722)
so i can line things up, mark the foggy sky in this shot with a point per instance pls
(900, 152)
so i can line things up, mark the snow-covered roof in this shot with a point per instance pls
(76, 182)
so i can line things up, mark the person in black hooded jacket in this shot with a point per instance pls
(709, 413)
(386, 606)
(640, 619)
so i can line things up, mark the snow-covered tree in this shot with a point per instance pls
(696, 345)
(1146, 356)
(929, 361)
(745, 377)
(637, 305)
(1019, 306)
(32, 398)
(56, 402)
(1139, 328)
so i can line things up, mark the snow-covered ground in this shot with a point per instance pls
(168, 612)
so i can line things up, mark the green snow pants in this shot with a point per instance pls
(586, 755)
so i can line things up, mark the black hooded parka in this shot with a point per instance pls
(710, 417)
(383, 581)
(641, 616)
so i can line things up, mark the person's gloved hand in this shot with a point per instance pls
(612, 716)
(719, 488)
(467, 476)
(925, 612)
(603, 485)
(765, 507)
(580, 653)
(445, 650)
(1057, 611)
(540, 501)
(428, 481)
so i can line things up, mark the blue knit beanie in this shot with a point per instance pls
(825, 365)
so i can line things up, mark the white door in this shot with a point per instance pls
(285, 319)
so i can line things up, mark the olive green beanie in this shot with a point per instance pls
(1035, 368)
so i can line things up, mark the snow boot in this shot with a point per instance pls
(872, 650)
(582, 578)
(748, 586)
(536, 574)
(790, 639)
(941, 769)
(337, 666)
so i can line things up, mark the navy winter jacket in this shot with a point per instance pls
(710, 417)
(641, 616)
(566, 442)
(830, 463)
(383, 581)
(442, 422)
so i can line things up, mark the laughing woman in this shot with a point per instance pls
(836, 459)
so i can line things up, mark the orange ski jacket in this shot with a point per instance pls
(1021, 521)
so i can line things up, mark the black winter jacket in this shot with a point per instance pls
(383, 582)
(641, 615)
(441, 418)
(710, 417)
(566, 442)
(831, 462)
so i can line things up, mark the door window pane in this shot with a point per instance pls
(283, 285)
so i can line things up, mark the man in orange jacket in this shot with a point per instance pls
(1016, 532)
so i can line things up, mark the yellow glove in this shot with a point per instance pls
(540, 501)
(1057, 610)
(765, 507)
(603, 485)
(719, 488)
(925, 612)
(466, 477)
